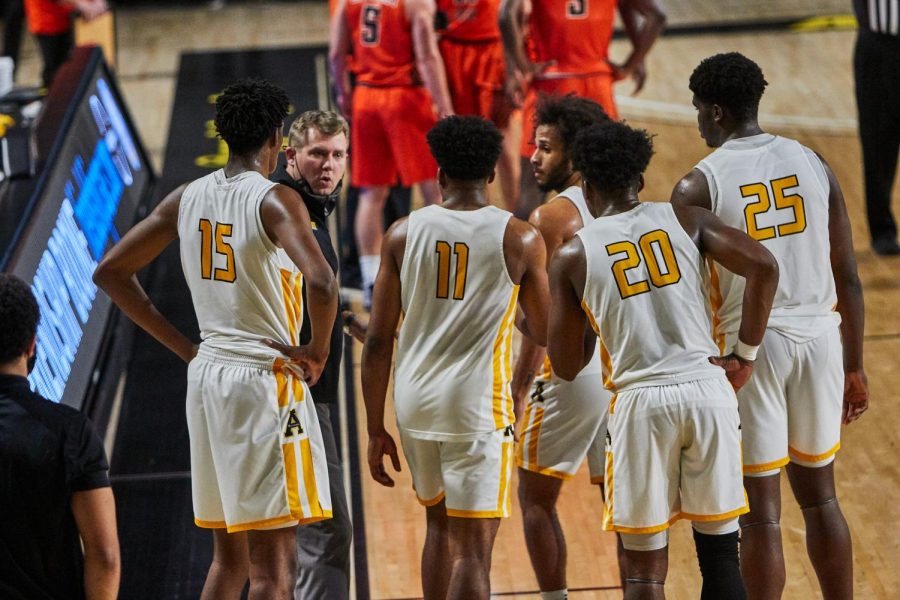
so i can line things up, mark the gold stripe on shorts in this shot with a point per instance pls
(293, 485)
(309, 479)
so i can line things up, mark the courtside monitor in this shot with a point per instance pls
(92, 179)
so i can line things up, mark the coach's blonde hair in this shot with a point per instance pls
(327, 122)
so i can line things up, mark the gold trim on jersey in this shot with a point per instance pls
(546, 369)
(292, 294)
(605, 358)
(504, 500)
(775, 464)
(608, 493)
(814, 457)
(292, 482)
(715, 301)
(433, 501)
(270, 523)
(209, 524)
(309, 480)
(502, 365)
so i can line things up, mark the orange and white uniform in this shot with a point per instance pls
(674, 443)
(391, 110)
(473, 58)
(257, 457)
(566, 420)
(452, 376)
(777, 191)
(575, 34)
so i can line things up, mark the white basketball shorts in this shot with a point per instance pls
(564, 422)
(257, 457)
(674, 452)
(473, 477)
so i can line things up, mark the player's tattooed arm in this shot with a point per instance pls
(850, 303)
(115, 274)
(378, 350)
(570, 338)
(692, 190)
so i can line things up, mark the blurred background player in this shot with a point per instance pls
(456, 271)
(633, 277)
(568, 52)
(316, 158)
(399, 73)
(258, 466)
(806, 382)
(51, 22)
(55, 477)
(473, 59)
(564, 421)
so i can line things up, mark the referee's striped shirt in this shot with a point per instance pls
(880, 16)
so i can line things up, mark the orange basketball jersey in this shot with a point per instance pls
(470, 20)
(574, 33)
(382, 42)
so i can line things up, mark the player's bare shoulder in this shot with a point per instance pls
(522, 244)
(692, 190)
(559, 218)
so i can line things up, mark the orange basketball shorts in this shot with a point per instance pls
(387, 136)
(475, 75)
(594, 87)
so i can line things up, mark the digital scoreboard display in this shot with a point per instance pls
(88, 196)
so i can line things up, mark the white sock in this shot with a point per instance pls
(368, 266)
(562, 594)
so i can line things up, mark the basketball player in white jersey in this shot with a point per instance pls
(809, 374)
(563, 421)
(258, 467)
(457, 271)
(634, 276)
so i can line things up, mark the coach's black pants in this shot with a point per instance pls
(876, 66)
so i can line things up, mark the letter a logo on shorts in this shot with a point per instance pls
(293, 422)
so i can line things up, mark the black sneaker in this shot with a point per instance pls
(886, 247)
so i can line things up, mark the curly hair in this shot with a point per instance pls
(19, 316)
(612, 156)
(465, 148)
(730, 80)
(569, 114)
(247, 112)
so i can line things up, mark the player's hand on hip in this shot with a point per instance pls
(303, 357)
(737, 370)
(380, 444)
(856, 396)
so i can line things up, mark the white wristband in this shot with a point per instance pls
(745, 351)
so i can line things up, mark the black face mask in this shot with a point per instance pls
(32, 360)
(328, 200)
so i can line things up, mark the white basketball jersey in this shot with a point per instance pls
(777, 191)
(453, 371)
(244, 288)
(575, 195)
(644, 295)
